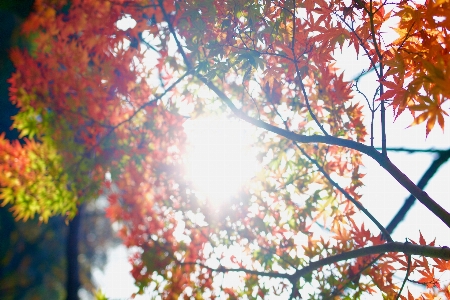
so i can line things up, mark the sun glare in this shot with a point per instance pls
(220, 158)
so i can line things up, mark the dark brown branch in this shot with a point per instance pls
(300, 79)
(383, 230)
(364, 73)
(172, 31)
(380, 77)
(443, 157)
(408, 270)
(222, 269)
(361, 42)
(305, 95)
(373, 33)
(338, 291)
(383, 160)
(411, 150)
(406, 248)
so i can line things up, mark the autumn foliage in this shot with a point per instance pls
(96, 97)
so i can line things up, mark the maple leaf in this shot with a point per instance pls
(432, 111)
(441, 264)
(429, 279)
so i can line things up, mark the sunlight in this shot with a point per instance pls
(220, 158)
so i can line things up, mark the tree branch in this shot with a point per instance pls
(383, 160)
(443, 157)
(338, 291)
(406, 248)
(411, 150)
(408, 270)
(383, 230)
(172, 31)
(222, 269)
(380, 78)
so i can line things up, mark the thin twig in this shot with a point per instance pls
(408, 269)
(412, 150)
(338, 291)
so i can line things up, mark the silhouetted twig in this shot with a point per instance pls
(443, 156)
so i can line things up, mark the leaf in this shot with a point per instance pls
(99, 295)
(429, 279)
(442, 265)
(432, 111)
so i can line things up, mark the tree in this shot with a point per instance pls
(97, 98)
(33, 262)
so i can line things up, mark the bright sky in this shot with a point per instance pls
(220, 157)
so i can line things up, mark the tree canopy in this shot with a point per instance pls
(97, 97)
